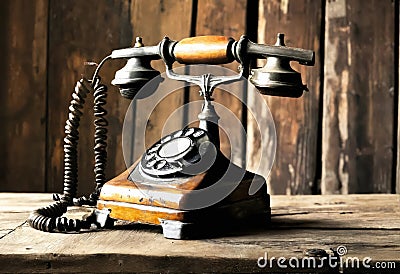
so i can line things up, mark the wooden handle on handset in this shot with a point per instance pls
(204, 50)
(213, 50)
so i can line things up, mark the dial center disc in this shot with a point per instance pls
(175, 147)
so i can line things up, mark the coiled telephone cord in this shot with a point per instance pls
(49, 218)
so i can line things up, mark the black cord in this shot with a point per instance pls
(49, 218)
(96, 72)
(100, 143)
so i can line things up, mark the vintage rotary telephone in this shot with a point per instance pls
(182, 182)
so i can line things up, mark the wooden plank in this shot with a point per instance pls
(8, 224)
(397, 185)
(152, 20)
(107, 250)
(80, 33)
(334, 211)
(296, 120)
(112, 251)
(358, 98)
(15, 208)
(331, 211)
(23, 43)
(323, 212)
(227, 18)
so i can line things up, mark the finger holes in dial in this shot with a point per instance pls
(150, 163)
(178, 133)
(166, 139)
(149, 156)
(189, 131)
(198, 133)
(160, 164)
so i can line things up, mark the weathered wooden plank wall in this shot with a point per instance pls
(79, 33)
(357, 137)
(23, 70)
(341, 137)
(397, 65)
(296, 120)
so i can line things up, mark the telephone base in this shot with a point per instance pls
(173, 203)
(190, 224)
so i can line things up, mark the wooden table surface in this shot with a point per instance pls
(366, 225)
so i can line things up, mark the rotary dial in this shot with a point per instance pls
(174, 152)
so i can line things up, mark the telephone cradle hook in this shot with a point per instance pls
(207, 82)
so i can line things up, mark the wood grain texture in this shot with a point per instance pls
(78, 32)
(152, 20)
(176, 193)
(358, 97)
(209, 49)
(397, 184)
(296, 120)
(368, 225)
(23, 46)
(227, 18)
(14, 208)
(49, 39)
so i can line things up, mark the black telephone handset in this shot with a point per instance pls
(182, 182)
